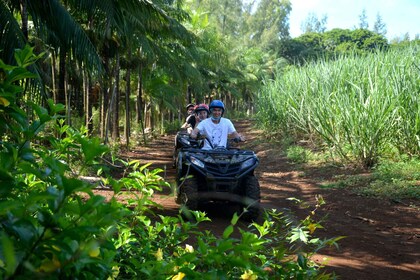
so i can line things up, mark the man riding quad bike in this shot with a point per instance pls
(220, 174)
(217, 172)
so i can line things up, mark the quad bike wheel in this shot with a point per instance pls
(188, 194)
(252, 198)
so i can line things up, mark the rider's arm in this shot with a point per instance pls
(194, 133)
(236, 135)
(185, 125)
(189, 121)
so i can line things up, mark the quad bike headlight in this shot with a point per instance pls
(249, 162)
(197, 162)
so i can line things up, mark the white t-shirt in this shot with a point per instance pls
(217, 133)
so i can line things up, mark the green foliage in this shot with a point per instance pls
(330, 44)
(53, 225)
(48, 229)
(169, 127)
(395, 180)
(298, 154)
(389, 180)
(360, 107)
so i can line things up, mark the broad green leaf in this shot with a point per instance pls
(228, 231)
(25, 230)
(19, 74)
(72, 185)
(92, 148)
(235, 219)
(8, 251)
(4, 102)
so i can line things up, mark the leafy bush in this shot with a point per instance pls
(171, 127)
(298, 154)
(53, 225)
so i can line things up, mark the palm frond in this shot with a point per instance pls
(11, 36)
(54, 23)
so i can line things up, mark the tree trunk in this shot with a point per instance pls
(105, 102)
(189, 94)
(102, 107)
(53, 81)
(107, 85)
(111, 105)
(140, 103)
(152, 117)
(162, 120)
(127, 127)
(61, 94)
(87, 109)
(116, 101)
(24, 15)
(67, 93)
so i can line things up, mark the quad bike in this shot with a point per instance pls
(220, 174)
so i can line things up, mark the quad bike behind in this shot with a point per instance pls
(220, 174)
(183, 140)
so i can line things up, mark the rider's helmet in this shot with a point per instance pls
(190, 109)
(202, 107)
(189, 106)
(217, 104)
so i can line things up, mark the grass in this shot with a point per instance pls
(298, 154)
(393, 180)
(360, 108)
(396, 181)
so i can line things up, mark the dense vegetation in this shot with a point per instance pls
(91, 64)
(135, 64)
(53, 226)
(361, 108)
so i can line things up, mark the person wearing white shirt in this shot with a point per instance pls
(216, 129)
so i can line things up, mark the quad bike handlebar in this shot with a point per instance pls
(229, 141)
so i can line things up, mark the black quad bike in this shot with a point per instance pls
(220, 174)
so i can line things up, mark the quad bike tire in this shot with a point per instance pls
(188, 194)
(175, 157)
(252, 198)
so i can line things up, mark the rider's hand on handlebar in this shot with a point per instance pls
(239, 139)
(201, 136)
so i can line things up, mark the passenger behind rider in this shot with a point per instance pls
(201, 113)
(216, 129)
(190, 120)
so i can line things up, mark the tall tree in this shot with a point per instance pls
(53, 28)
(379, 26)
(363, 20)
(270, 22)
(313, 24)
